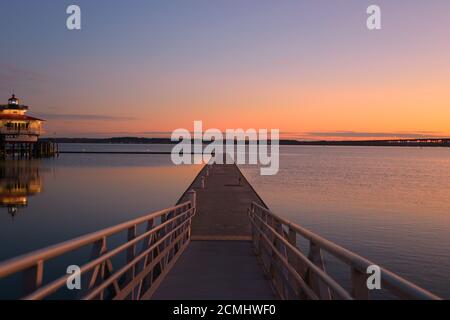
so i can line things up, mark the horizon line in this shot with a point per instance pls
(282, 139)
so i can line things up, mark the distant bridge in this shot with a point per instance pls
(220, 241)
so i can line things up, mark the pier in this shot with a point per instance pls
(220, 262)
(20, 150)
(219, 241)
(223, 197)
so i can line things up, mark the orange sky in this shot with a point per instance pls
(306, 67)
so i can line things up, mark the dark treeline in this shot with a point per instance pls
(432, 142)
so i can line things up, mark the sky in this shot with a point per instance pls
(310, 68)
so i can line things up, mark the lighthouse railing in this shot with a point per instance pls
(12, 130)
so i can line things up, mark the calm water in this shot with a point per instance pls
(79, 193)
(391, 205)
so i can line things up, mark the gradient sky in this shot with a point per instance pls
(310, 68)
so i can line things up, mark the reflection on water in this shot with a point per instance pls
(19, 180)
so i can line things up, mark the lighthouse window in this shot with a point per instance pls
(17, 126)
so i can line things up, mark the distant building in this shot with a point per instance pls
(16, 126)
(19, 133)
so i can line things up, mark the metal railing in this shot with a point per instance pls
(167, 234)
(295, 275)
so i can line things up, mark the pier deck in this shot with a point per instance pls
(222, 205)
(216, 270)
(220, 262)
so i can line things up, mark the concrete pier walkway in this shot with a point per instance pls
(222, 205)
(216, 270)
(219, 263)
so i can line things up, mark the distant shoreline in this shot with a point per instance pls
(431, 142)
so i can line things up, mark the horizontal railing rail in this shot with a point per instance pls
(296, 275)
(136, 276)
(6, 130)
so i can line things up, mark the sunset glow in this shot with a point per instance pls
(308, 68)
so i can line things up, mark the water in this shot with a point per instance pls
(80, 193)
(391, 205)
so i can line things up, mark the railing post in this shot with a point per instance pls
(147, 281)
(281, 248)
(321, 289)
(131, 254)
(32, 277)
(160, 248)
(167, 229)
(255, 233)
(359, 285)
(96, 275)
(192, 196)
(294, 260)
(203, 181)
(258, 212)
(273, 265)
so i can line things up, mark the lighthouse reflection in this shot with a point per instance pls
(19, 180)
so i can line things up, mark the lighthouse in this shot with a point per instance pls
(15, 125)
(19, 132)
